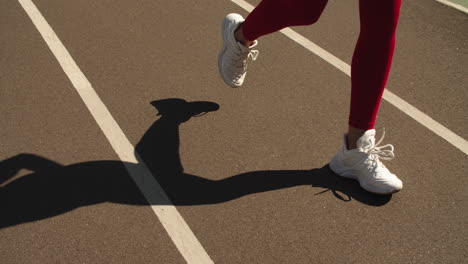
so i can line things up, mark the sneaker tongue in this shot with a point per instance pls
(367, 139)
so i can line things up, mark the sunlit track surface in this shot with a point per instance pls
(250, 177)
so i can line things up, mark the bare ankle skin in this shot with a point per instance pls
(353, 135)
(239, 35)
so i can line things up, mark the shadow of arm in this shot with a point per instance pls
(10, 167)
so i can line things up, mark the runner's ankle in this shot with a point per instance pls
(239, 36)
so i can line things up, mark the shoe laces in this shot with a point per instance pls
(243, 58)
(377, 153)
(249, 56)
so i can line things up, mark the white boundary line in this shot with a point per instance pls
(176, 227)
(393, 99)
(456, 6)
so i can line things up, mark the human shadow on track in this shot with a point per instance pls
(53, 189)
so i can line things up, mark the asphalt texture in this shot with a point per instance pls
(251, 178)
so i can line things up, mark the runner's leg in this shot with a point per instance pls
(371, 62)
(273, 15)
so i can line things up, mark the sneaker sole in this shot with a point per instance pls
(345, 174)
(224, 29)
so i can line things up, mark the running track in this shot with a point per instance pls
(255, 181)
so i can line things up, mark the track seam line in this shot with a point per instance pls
(390, 97)
(176, 227)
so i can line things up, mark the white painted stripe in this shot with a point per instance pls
(327, 56)
(456, 6)
(248, 7)
(396, 101)
(176, 227)
(390, 97)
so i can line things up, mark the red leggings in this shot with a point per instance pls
(372, 56)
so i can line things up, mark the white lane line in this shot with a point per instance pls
(390, 97)
(176, 227)
(456, 6)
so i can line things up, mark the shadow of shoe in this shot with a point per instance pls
(53, 189)
(181, 111)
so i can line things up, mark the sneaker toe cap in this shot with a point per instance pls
(387, 186)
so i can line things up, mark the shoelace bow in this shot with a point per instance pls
(249, 56)
(377, 153)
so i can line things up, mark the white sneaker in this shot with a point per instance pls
(363, 164)
(234, 57)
